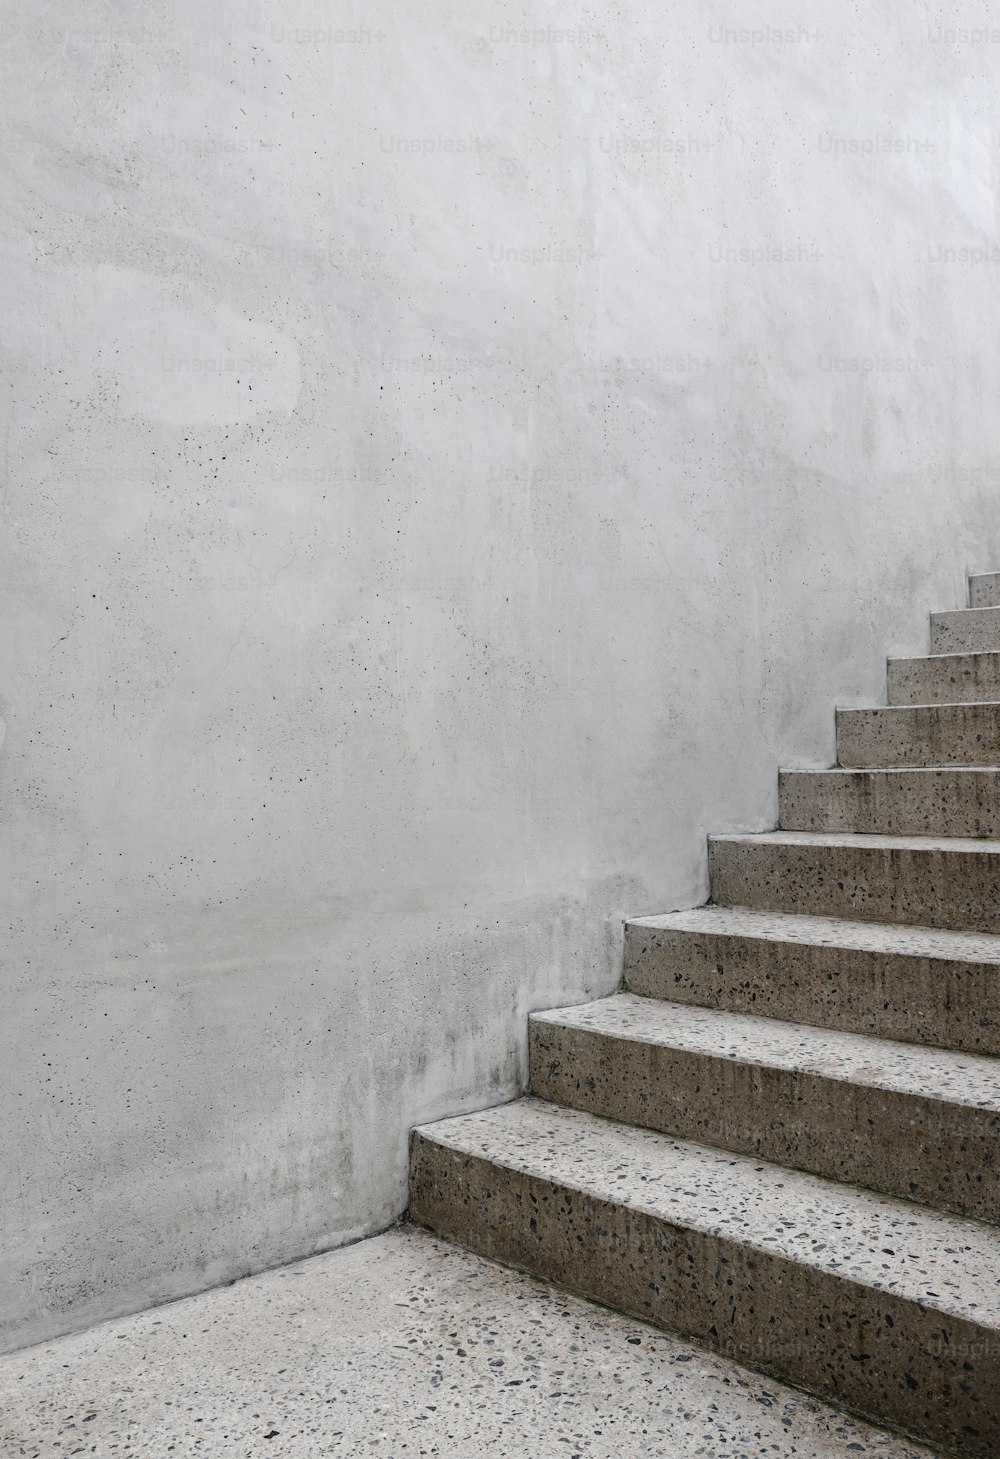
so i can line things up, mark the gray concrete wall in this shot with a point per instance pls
(451, 461)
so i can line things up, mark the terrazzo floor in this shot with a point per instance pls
(403, 1346)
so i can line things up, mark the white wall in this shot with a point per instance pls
(418, 532)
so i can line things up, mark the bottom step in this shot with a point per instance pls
(887, 1308)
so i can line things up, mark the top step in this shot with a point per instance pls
(984, 590)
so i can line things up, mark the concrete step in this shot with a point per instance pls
(904, 983)
(945, 679)
(919, 1123)
(984, 590)
(916, 879)
(883, 1306)
(958, 801)
(966, 631)
(926, 734)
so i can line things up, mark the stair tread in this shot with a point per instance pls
(948, 1263)
(863, 842)
(986, 612)
(895, 769)
(746, 1038)
(889, 937)
(934, 705)
(969, 653)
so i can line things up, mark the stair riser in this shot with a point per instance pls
(966, 632)
(953, 734)
(911, 803)
(933, 1375)
(955, 889)
(950, 679)
(916, 1000)
(984, 590)
(920, 1149)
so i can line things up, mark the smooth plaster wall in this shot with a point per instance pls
(425, 516)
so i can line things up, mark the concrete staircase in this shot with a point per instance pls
(784, 1140)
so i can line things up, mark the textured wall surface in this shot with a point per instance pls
(449, 464)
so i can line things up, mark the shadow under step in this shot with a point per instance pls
(919, 1123)
(884, 1307)
(911, 984)
(919, 880)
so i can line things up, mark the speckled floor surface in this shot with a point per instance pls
(403, 1346)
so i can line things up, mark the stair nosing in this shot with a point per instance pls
(946, 612)
(863, 840)
(909, 708)
(954, 653)
(893, 769)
